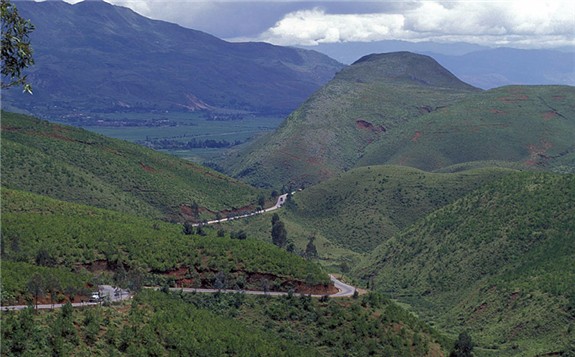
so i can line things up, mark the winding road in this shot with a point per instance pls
(109, 292)
(281, 200)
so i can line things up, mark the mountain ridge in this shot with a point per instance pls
(94, 56)
(406, 109)
(364, 103)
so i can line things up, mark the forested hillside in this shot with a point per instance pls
(374, 203)
(224, 324)
(45, 233)
(497, 262)
(75, 165)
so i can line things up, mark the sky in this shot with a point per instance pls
(493, 23)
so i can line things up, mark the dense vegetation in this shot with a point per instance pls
(78, 166)
(50, 233)
(499, 262)
(224, 324)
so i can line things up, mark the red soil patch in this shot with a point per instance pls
(549, 115)
(514, 296)
(425, 109)
(416, 136)
(537, 153)
(253, 281)
(481, 308)
(362, 124)
(10, 128)
(148, 168)
(513, 98)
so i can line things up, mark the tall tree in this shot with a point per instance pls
(279, 234)
(310, 249)
(36, 286)
(463, 346)
(16, 48)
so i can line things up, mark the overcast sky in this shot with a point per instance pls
(511, 23)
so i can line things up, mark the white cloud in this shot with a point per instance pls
(314, 26)
(515, 23)
(522, 23)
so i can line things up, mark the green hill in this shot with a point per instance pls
(363, 207)
(78, 166)
(531, 125)
(405, 109)
(498, 263)
(365, 102)
(352, 213)
(41, 231)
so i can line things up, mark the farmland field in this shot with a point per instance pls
(179, 127)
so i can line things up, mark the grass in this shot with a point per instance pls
(530, 125)
(330, 132)
(376, 112)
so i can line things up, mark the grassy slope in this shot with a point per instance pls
(74, 235)
(78, 166)
(532, 125)
(373, 203)
(373, 113)
(364, 103)
(349, 215)
(498, 262)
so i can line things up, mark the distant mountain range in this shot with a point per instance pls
(94, 56)
(480, 66)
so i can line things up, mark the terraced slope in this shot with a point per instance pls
(78, 166)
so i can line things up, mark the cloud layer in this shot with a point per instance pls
(519, 23)
(512, 23)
